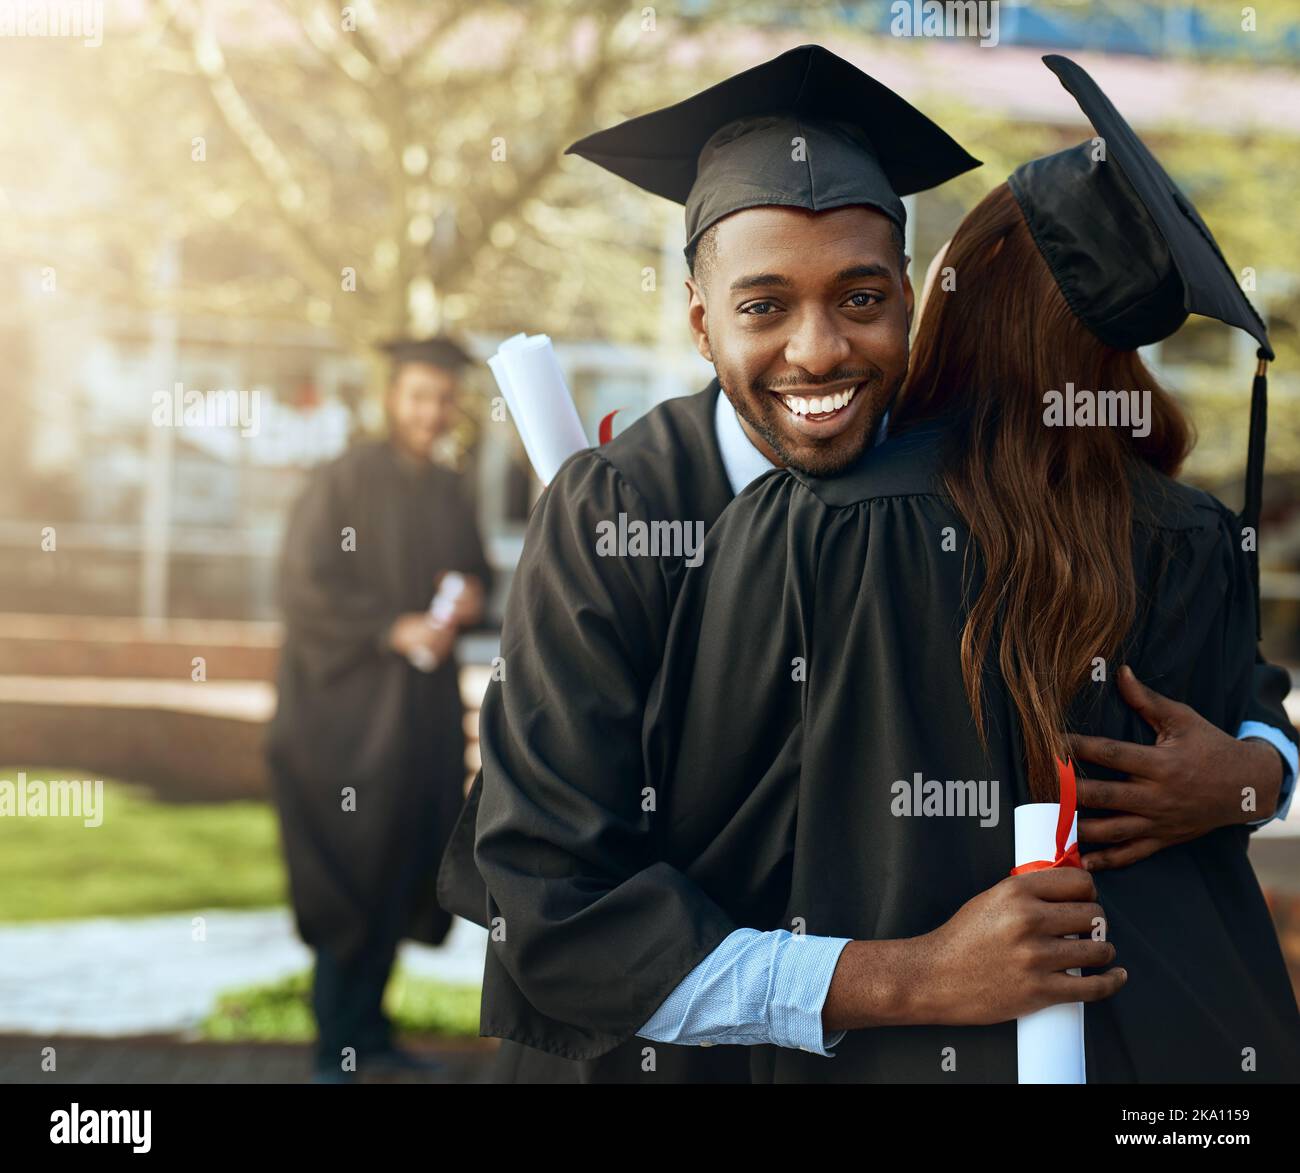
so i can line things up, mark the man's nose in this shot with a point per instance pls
(818, 343)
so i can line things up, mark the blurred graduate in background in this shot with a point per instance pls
(382, 565)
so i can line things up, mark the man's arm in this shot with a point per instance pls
(332, 607)
(468, 555)
(1003, 954)
(1267, 735)
(1267, 720)
(590, 924)
(999, 957)
(1195, 778)
(755, 987)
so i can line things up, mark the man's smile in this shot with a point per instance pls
(821, 413)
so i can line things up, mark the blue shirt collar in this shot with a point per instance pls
(742, 462)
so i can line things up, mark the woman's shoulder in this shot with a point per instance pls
(1161, 502)
(905, 465)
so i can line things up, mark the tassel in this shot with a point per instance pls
(1254, 498)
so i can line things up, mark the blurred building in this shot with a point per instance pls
(185, 522)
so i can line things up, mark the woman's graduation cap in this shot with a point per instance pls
(1130, 253)
(732, 146)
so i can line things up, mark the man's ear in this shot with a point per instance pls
(697, 317)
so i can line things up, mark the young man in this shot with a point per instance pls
(367, 748)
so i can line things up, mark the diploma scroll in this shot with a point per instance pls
(1049, 1042)
(528, 373)
(442, 609)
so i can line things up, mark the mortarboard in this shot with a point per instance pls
(1131, 255)
(440, 352)
(732, 146)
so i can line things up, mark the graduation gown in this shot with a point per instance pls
(581, 642)
(563, 841)
(352, 713)
(813, 662)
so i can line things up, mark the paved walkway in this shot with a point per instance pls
(168, 1060)
(148, 976)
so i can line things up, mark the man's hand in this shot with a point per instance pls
(1002, 955)
(1194, 779)
(469, 606)
(412, 632)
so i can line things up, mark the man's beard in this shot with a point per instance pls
(832, 459)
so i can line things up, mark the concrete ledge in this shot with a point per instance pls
(78, 645)
(183, 756)
(187, 741)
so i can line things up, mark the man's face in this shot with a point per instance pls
(421, 400)
(804, 316)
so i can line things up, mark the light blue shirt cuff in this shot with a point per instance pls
(801, 979)
(754, 988)
(1290, 765)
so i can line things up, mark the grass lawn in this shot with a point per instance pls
(146, 857)
(149, 857)
(281, 1011)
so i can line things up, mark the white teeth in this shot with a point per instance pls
(820, 405)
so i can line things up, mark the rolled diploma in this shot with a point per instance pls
(539, 400)
(1049, 1042)
(441, 608)
(443, 604)
(498, 367)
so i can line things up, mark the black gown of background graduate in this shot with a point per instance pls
(352, 713)
(774, 794)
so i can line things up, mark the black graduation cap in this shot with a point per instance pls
(1131, 254)
(440, 352)
(731, 146)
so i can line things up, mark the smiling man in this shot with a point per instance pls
(367, 747)
(806, 325)
(791, 175)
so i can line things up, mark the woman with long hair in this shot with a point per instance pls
(1050, 509)
(868, 672)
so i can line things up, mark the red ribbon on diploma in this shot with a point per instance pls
(606, 433)
(1065, 857)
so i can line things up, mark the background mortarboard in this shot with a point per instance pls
(440, 352)
(1132, 256)
(729, 147)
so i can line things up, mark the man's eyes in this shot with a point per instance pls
(862, 300)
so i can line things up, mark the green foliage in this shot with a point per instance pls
(147, 857)
(281, 1011)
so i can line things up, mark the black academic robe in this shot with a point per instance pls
(813, 662)
(352, 713)
(581, 642)
(596, 926)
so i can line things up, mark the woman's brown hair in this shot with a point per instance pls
(1049, 508)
